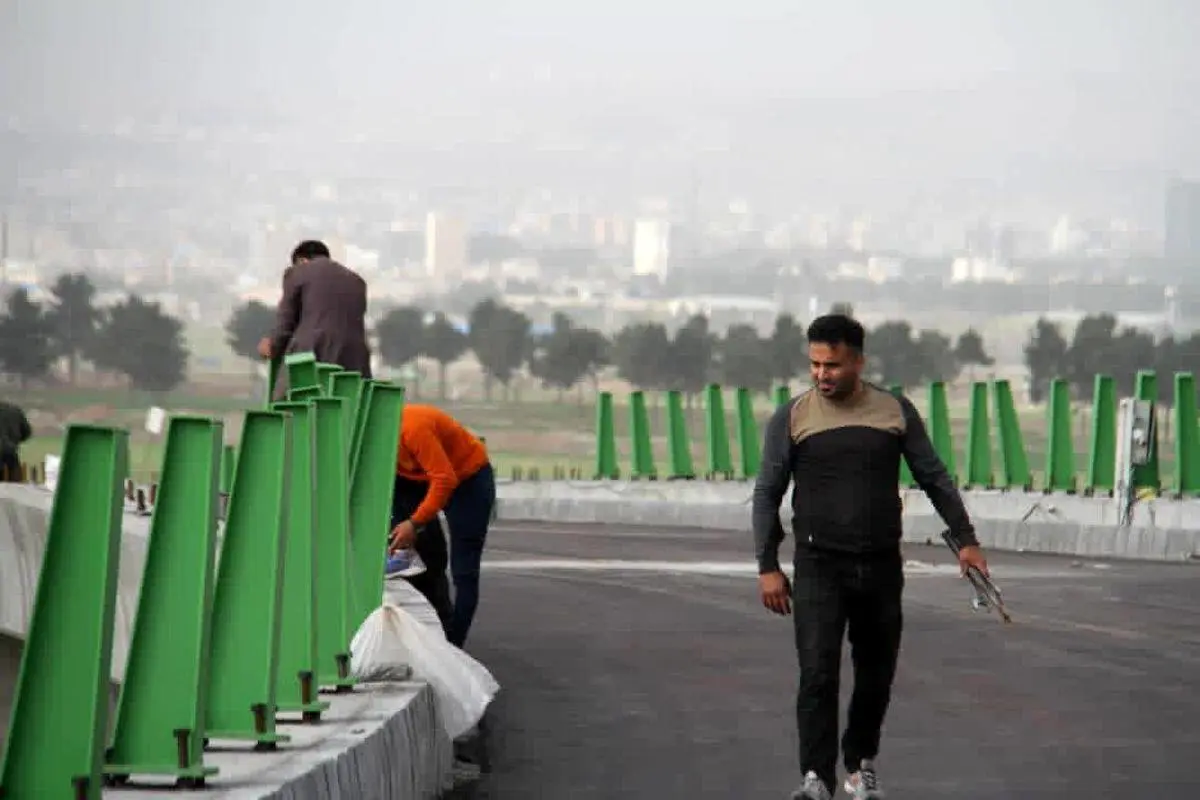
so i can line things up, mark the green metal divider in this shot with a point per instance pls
(305, 394)
(1060, 447)
(639, 438)
(360, 422)
(606, 439)
(939, 428)
(371, 488)
(747, 433)
(325, 373)
(783, 393)
(162, 712)
(1187, 436)
(1186, 427)
(248, 600)
(720, 461)
(228, 464)
(302, 371)
(1147, 476)
(349, 387)
(679, 445)
(1102, 455)
(906, 479)
(333, 545)
(1014, 462)
(59, 718)
(979, 440)
(296, 681)
(274, 366)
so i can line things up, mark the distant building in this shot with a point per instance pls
(652, 248)
(445, 248)
(1182, 240)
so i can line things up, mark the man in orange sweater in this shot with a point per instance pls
(441, 466)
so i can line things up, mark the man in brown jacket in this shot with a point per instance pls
(322, 311)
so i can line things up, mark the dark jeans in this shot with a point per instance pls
(468, 513)
(832, 593)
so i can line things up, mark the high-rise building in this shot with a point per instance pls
(1183, 221)
(445, 247)
(652, 248)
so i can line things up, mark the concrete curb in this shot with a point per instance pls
(1162, 529)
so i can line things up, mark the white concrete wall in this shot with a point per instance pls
(1162, 528)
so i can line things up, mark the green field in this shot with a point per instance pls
(541, 432)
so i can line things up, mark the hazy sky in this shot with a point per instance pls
(1113, 80)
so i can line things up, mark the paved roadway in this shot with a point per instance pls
(625, 682)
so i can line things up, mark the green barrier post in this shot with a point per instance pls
(348, 386)
(333, 546)
(59, 721)
(1187, 436)
(371, 489)
(747, 433)
(979, 440)
(1060, 446)
(325, 373)
(1102, 456)
(228, 463)
(939, 428)
(248, 600)
(720, 461)
(301, 371)
(639, 435)
(606, 439)
(1014, 462)
(679, 444)
(163, 706)
(296, 687)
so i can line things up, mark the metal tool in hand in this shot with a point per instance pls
(987, 596)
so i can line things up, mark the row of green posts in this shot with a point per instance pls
(228, 634)
(1002, 463)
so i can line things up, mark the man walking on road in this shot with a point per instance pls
(322, 311)
(841, 442)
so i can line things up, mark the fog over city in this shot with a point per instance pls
(953, 164)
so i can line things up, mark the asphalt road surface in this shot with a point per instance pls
(637, 663)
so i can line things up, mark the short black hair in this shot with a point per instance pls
(310, 249)
(835, 329)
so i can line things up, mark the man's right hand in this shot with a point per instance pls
(776, 592)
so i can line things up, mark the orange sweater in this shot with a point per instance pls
(435, 447)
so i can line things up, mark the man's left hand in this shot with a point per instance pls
(971, 556)
(403, 536)
(264, 347)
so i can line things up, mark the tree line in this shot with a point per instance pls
(139, 341)
(650, 357)
(645, 354)
(133, 339)
(1100, 346)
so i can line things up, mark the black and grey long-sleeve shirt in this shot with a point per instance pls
(844, 457)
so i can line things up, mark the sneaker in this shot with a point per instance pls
(813, 788)
(864, 784)
(404, 564)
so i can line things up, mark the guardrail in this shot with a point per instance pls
(226, 653)
(994, 456)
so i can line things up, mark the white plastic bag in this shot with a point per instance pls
(391, 636)
(377, 650)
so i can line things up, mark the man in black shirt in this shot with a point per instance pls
(841, 443)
